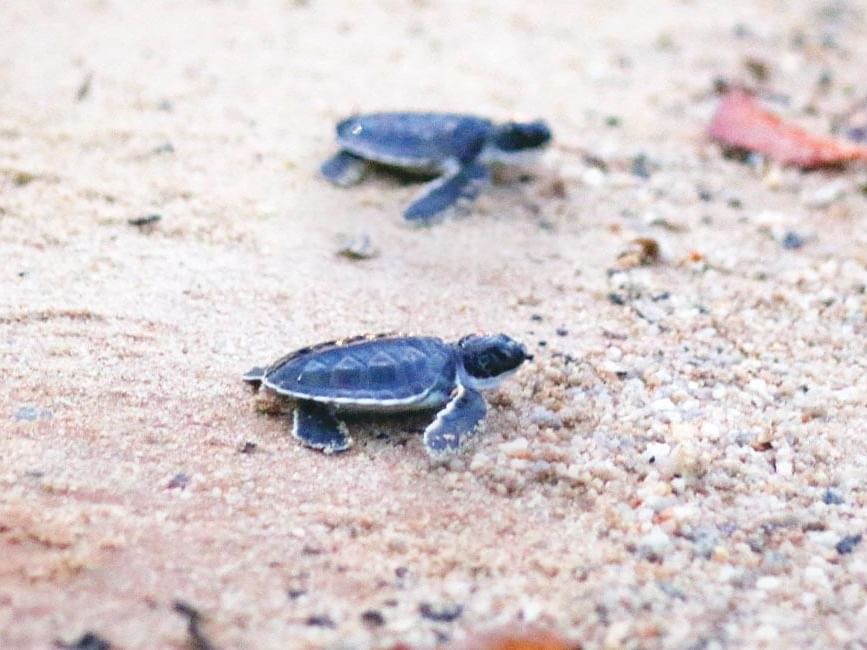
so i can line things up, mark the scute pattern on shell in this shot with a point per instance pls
(374, 368)
(413, 139)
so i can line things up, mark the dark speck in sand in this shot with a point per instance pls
(146, 220)
(320, 621)
(832, 497)
(792, 241)
(372, 618)
(441, 614)
(848, 544)
(88, 641)
(641, 166)
(84, 87)
(179, 481)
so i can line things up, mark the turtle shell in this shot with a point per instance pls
(414, 140)
(368, 372)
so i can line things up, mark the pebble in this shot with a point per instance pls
(832, 497)
(663, 404)
(616, 635)
(815, 575)
(516, 448)
(848, 544)
(656, 452)
(442, 613)
(826, 195)
(593, 177)
(144, 221)
(372, 618)
(655, 544)
(792, 240)
(360, 247)
(31, 414)
(767, 633)
(768, 583)
(543, 417)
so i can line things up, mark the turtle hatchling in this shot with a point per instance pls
(391, 374)
(456, 149)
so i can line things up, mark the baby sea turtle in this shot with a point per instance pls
(391, 374)
(455, 148)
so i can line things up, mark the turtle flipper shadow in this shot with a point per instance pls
(316, 427)
(344, 169)
(456, 423)
(444, 192)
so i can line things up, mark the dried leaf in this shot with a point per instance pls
(740, 122)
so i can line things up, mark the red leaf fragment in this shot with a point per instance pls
(740, 122)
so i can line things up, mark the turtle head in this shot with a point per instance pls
(254, 377)
(488, 359)
(520, 137)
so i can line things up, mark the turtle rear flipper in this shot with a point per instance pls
(443, 193)
(456, 423)
(254, 377)
(344, 169)
(316, 427)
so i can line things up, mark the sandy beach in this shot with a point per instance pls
(683, 463)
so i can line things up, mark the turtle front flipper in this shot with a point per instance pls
(344, 169)
(439, 195)
(315, 426)
(456, 423)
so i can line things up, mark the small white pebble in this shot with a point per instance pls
(663, 404)
(656, 452)
(826, 195)
(767, 633)
(768, 583)
(710, 430)
(655, 544)
(516, 448)
(593, 177)
(542, 416)
(815, 575)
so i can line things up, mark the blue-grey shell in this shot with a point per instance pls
(414, 139)
(369, 371)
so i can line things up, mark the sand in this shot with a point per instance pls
(681, 466)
